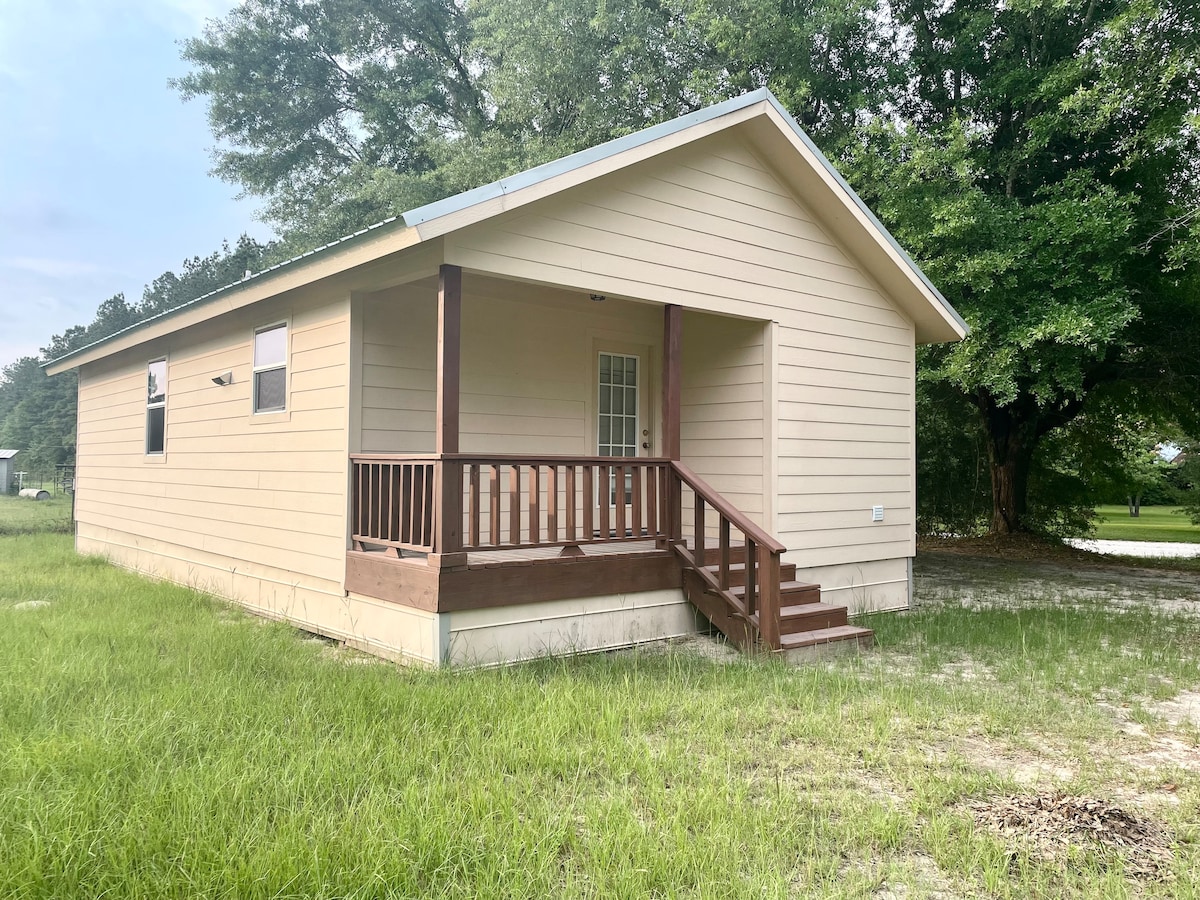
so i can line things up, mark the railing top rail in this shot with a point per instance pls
(394, 457)
(551, 458)
(521, 458)
(725, 508)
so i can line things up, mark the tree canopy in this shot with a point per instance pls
(1039, 158)
(1044, 172)
(37, 413)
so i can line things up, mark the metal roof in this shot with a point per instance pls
(566, 164)
(561, 166)
(8, 454)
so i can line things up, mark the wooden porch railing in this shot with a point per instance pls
(513, 502)
(392, 501)
(760, 553)
(505, 502)
(460, 502)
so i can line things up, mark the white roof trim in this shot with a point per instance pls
(452, 213)
(576, 161)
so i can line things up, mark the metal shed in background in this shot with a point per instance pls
(7, 468)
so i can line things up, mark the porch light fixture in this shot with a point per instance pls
(223, 379)
(599, 298)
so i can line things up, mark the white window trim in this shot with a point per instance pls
(147, 452)
(273, 413)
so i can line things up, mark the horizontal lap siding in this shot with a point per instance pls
(527, 367)
(399, 396)
(251, 493)
(722, 408)
(708, 226)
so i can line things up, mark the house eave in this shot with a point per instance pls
(337, 257)
(934, 319)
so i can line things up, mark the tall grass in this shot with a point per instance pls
(19, 515)
(155, 742)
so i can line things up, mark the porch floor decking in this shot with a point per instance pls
(502, 577)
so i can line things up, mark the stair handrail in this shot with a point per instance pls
(762, 557)
(714, 499)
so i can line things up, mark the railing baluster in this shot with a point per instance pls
(602, 477)
(398, 503)
(751, 579)
(373, 522)
(427, 504)
(637, 501)
(494, 518)
(620, 503)
(698, 524)
(768, 600)
(473, 507)
(552, 504)
(535, 513)
(385, 499)
(672, 496)
(589, 501)
(405, 512)
(570, 502)
(652, 525)
(359, 480)
(514, 504)
(724, 539)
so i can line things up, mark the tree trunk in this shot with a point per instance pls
(1135, 505)
(1011, 442)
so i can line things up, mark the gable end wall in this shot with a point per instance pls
(710, 227)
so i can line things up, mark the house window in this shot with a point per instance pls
(270, 369)
(156, 407)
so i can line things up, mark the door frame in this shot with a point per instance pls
(648, 381)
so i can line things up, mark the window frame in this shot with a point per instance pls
(256, 369)
(151, 407)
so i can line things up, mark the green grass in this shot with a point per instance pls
(155, 742)
(21, 516)
(1156, 523)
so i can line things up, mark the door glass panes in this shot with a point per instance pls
(617, 426)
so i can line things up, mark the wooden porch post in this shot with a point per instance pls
(448, 538)
(672, 378)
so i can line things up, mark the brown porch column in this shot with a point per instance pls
(672, 378)
(448, 537)
(449, 339)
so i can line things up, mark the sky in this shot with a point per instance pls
(104, 180)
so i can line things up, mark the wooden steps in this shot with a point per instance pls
(808, 626)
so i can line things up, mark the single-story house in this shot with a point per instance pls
(564, 411)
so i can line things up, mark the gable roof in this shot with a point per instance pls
(759, 112)
(8, 454)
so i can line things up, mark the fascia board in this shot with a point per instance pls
(333, 259)
(471, 207)
(946, 324)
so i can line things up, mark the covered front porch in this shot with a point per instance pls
(627, 536)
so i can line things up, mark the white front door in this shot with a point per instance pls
(619, 423)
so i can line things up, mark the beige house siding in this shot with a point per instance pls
(723, 414)
(252, 507)
(711, 227)
(528, 367)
